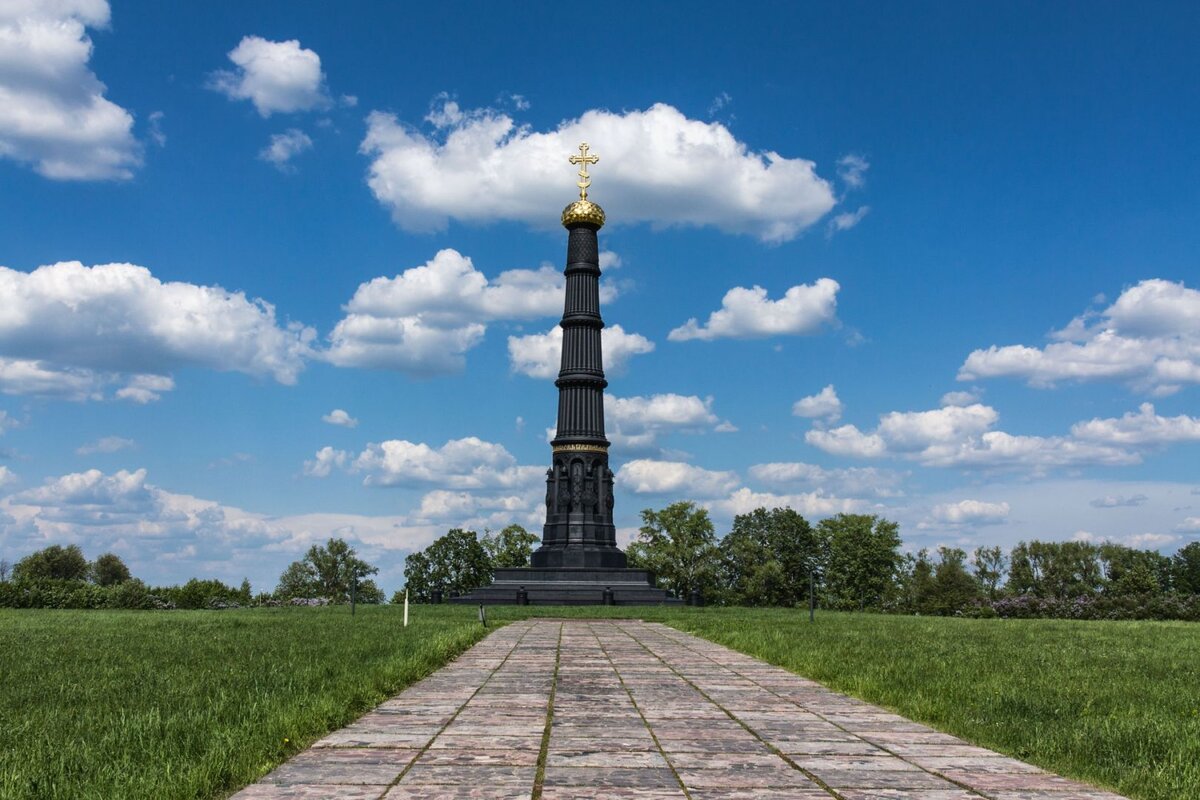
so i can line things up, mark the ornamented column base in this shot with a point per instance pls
(578, 556)
(570, 587)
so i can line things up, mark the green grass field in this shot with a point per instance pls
(1112, 703)
(195, 704)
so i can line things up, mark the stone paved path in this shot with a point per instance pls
(625, 709)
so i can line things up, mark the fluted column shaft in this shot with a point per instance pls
(579, 529)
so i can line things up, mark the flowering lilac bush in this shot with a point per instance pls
(1092, 607)
(309, 601)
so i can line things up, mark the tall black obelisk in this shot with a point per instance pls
(579, 528)
(578, 562)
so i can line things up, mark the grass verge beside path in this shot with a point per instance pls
(1112, 703)
(195, 704)
(172, 705)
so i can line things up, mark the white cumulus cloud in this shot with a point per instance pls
(852, 481)
(277, 77)
(847, 220)
(476, 510)
(962, 436)
(539, 355)
(145, 388)
(1141, 427)
(822, 405)
(53, 112)
(106, 444)
(1150, 541)
(92, 498)
(163, 535)
(425, 319)
(847, 440)
(71, 330)
(340, 417)
(959, 398)
(324, 462)
(647, 476)
(637, 422)
(817, 504)
(749, 313)
(1149, 338)
(852, 169)
(285, 146)
(971, 511)
(468, 463)
(1119, 501)
(656, 166)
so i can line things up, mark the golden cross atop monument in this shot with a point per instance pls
(583, 159)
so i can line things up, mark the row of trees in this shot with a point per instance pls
(62, 577)
(850, 561)
(769, 558)
(854, 562)
(461, 561)
(766, 559)
(332, 572)
(69, 564)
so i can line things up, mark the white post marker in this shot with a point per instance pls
(406, 607)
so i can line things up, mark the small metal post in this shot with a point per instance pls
(606, 598)
(482, 616)
(353, 592)
(810, 596)
(435, 596)
(522, 597)
(695, 598)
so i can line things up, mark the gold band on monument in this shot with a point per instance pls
(580, 448)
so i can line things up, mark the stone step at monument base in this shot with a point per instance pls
(570, 587)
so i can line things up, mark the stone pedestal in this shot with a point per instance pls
(570, 586)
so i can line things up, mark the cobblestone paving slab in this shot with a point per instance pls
(627, 710)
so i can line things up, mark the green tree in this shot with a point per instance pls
(61, 563)
(325, 571)
(953, 588)
(417, 579)
(1055, 569)
(1132, 572)
(1073, 569)
(244, 592)
(297, 581)
(109, 569)
(863, 559)
(368, 593)
(990, 566)
(511, 547)
(456, 563)
(1024, 571)
(197, 593)
(914, 582)
(767, 558)
(1185, 569)
(679, 545)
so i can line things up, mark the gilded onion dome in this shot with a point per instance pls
(584, 211)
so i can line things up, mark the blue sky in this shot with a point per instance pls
(277, 272)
